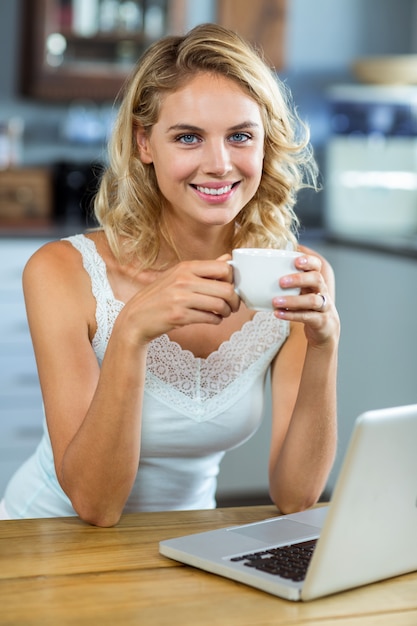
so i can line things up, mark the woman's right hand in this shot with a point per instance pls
(191, 292)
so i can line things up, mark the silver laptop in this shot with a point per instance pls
(368, 532)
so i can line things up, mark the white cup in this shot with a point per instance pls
(257, 272)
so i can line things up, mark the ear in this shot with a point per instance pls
(142, 141)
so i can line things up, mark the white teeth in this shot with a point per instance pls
(214, 192)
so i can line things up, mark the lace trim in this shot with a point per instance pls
(108, 308)
(203, 397)
(199, 388)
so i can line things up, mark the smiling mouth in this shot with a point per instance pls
(211, 191)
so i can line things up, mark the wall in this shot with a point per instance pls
(325, 36)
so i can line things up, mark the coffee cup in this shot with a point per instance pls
(257, 272)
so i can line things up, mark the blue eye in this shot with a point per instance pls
(188, 139)
(240, 137)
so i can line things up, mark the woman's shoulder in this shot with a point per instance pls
(60, 253)
(55, 284)
(55, 264)
(52, 257)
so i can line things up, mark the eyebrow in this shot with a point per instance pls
(190, 127)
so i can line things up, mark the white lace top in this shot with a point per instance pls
(194, 410)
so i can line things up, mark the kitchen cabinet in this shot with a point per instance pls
(261, 22)
(20, 397)
(85, 49)
(25, 195)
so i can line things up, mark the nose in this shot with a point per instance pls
(216, 159)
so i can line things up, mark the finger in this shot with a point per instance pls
(192, 308)
(216, 269)
(309, 302)
(323, 304)
(311, 280)
(224, 257)
(308, 260)
(194, 291)
(221, 292)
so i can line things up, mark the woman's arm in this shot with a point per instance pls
(94, 414)
(304, 429)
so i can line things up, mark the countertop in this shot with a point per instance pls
(395, 245)
(62, 571)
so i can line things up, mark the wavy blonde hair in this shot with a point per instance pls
(129, 204)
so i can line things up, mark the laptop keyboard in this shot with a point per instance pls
(289, 562)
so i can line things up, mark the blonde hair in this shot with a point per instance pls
(129, 204)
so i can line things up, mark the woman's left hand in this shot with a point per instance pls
(314, 307)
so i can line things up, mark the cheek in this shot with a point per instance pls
(174, 170)
(252, 166)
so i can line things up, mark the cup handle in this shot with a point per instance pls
(233, 265)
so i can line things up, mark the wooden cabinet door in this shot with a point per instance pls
(260, 21)
(61, 63)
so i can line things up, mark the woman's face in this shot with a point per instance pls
(207, 149)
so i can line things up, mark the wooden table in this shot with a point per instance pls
(61, 572)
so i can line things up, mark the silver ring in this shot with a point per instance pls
(323, 304)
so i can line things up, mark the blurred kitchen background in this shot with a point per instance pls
(352, 68)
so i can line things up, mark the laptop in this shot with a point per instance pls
(367, 533)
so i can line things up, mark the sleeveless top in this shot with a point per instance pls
(194, 409)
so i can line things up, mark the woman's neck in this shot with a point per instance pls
(207, 243)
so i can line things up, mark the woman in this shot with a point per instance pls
(150, 366)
